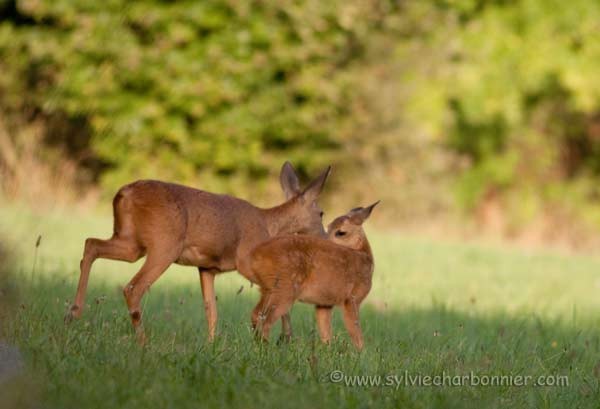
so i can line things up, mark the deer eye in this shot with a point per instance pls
(321, 214)
(340, 233)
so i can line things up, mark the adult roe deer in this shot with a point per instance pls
(171, 223)
(323, 271)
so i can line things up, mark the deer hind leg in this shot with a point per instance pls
(286, 329)
(155, 264)
(207, 283)
(324, 322)
(274, 308)
(259, 313)
(352, 323)
(116, 248)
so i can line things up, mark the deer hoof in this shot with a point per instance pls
(284, 339)
(140, 336)
(72, 314)
(68, 318)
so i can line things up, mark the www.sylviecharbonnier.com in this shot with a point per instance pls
(444, 379)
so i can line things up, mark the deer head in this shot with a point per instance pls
(347, 230)
(303, 213)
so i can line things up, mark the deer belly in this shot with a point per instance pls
(323, 295)
(194, 256)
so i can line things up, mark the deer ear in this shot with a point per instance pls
(314, 188)
(361, 214)
(289, 180)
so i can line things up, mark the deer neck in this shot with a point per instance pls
(363, 246)
(281, 219)
(366, 248)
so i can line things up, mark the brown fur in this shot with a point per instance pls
(320, 271)
(170, 223)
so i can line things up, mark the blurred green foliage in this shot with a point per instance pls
(174, 88)
(497, 98)
(521, 93)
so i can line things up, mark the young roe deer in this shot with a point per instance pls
(323, 271)
(170, 223)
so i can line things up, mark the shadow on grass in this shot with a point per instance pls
(95, 363)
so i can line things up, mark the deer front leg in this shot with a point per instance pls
(323, 313)
(207, 282)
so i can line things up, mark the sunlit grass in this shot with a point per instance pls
(435, 306)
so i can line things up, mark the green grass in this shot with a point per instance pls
(435, 308)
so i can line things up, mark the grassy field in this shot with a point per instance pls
(436, 308)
